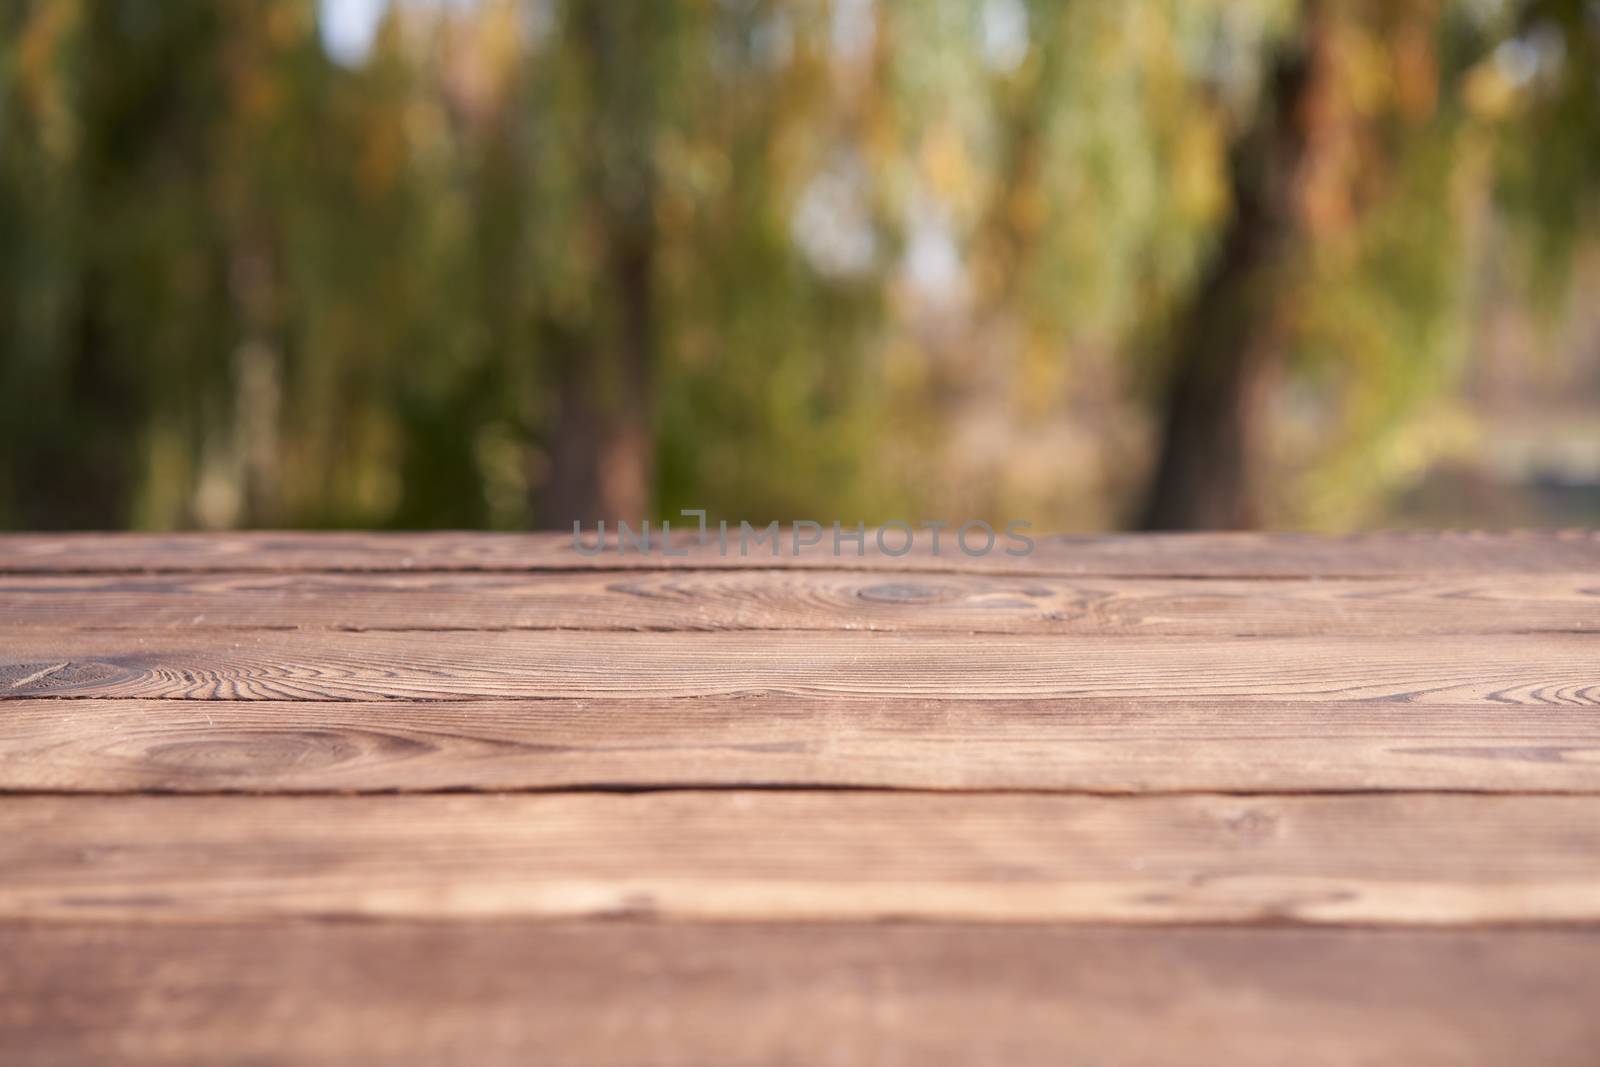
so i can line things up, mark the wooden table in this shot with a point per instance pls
(437, 799)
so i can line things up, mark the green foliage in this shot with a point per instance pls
(903, 259)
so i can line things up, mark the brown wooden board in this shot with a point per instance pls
(1526, 670)
(769, 740)
(438, 798)
(409, 994)
(760, 856)
(816, 599)
(1398, 554)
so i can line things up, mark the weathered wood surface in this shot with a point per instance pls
(764, 599)
(845, 809)
(754, 856)
(771, 740)
(1518, 670)
(928, 995)
(1218, 555)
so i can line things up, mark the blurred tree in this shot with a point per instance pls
(1291, 177)
(128, 297)
(1344, 262)
(601, 448)
(1549, 125)
(775, 258)
(515, 262)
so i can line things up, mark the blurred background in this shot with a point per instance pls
(481, 264)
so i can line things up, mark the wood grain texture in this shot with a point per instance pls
(1507, 670)
(1129, 799)
(632, 995)
(1398, 554)
(1064, 744)
(805, 600)
(743, 856)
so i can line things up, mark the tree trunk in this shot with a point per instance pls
(600, 462)
(601, 452)
(1290, 180)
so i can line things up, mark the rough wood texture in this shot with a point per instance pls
(739, 856)
(1217, 555)
(806, 600)
(1100, 745)
(1531, 670)
(618, 994)
(931, 810)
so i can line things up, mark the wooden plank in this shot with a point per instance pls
(1236, 555)
(1108, 746)
(1542, 669)
(605, 994)
(805, 600)
(750, 856)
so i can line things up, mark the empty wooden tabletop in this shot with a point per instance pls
(451, 798)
